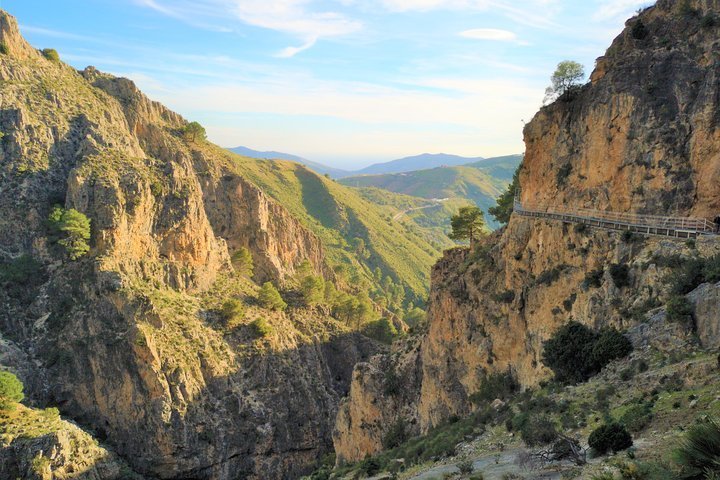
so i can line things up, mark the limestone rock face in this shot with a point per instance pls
(128, 340)
(706, 303)
(643, 136)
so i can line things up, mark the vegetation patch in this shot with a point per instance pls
(575, 352)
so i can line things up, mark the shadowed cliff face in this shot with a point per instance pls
(643, 136)
(128, 341)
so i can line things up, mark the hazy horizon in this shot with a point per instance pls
(340, 82)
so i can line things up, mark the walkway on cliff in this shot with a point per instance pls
(676, 227)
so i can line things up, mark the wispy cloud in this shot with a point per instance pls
(489, 34)
(298, 18)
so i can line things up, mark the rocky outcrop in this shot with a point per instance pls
(642, 137)
(128, 340)
(706, 305)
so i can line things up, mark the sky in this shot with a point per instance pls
(343, 82)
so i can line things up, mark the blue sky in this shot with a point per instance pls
(343, 82)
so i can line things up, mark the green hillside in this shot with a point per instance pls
(480, 183)
(340, 215)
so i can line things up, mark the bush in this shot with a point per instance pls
(496, 385)
(370, 466)
(679, 310)
(610, 437)
(270, 298)
(637, 417)
(242, 262)
(639, 30)
(4, 50)
(396, 435)
(538, 430)
(262, 327)
(51, 54)
(381, 330)
(610, 345)
(620, 275)
(563, 173)
(568, 351)
(708, 21)
(233, 313)
(465, 467)
(415, 317)
(11, 390)
(699, 453)
(575, 353)
(21, 271)
(505, 297)
(594, 278)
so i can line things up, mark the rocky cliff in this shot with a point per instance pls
(643, 136)
(128, 340)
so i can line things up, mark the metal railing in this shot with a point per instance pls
(650, 224)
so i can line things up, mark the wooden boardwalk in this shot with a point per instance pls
(675, 227)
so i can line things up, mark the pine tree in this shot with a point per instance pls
(270, 298)
(467, 224)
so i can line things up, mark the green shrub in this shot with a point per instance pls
(73, 229)
(381, 330)
(679, 310)
(262, 327)
(21, 271)
(51, 54)
(620, 275)
(465, 466)
(270, 298)
(593, 278)
(563, 173)
(575, 352)
(637, 417)
(550, 276)
(538, 430)
(415, 317)
(396, 434)
(505, 297)
(709, 21)
(685, 8)
(496, 385)
(610, 345)
(610, 437)
(4, 50)
(242, 262)
(639, 30)
(233, 313)
(568, 351)
(370, 466)
(699, 453)
(11, 390)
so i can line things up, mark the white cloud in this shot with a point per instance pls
(489, 34)
(293, 17)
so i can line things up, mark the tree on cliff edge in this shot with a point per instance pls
(467, 224)
(566, 79)
(505, 202)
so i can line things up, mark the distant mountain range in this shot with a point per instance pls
(407, 164)
(271, 155)
(478, 183)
